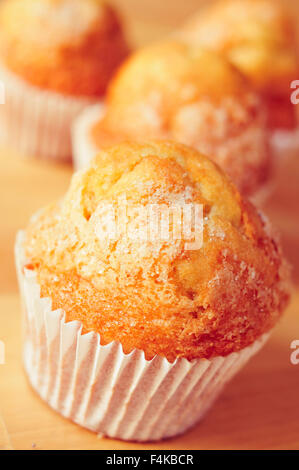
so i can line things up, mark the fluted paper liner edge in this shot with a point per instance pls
(119, 395)
(37, 122)
(284, 146)
(83, 147)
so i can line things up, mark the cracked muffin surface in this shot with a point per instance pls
(158, 294)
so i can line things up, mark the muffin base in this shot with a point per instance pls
(83, 147)
(36, 122)
(122, 396)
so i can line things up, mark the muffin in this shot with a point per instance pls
(56, 57)
(134, 336)
(258, 37)
(179, 92)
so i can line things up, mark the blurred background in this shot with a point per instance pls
(149, 20)
(269, 383)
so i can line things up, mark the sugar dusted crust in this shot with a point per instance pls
(187, 94)
(68, 46)
(157, 295)
(258, 37)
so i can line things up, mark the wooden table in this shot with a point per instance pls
(258, 410)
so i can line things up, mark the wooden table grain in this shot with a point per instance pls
(258, 410)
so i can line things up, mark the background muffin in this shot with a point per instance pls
(187, 94)
(68, 46)
(248, 411)
(258, 37)
(56, 57)
(156, 295)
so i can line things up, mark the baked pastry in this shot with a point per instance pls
(186, 316)
(57, 56)
(258, 37)
(179, 92)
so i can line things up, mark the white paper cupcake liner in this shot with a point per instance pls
(119, 395)
(284, 146)
(285, 143)
(83, 147)
(36, 122)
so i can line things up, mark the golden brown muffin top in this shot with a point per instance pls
(159, 294)
(69, 46)
(155, 82)
(258, 37)
(191, 95)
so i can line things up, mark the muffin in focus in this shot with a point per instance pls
(258, 37)
(179, 92)
(57, 56)
(177, 320)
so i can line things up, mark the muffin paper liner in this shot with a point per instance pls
(119, 395)
(82, 145)
(284, 146)
(37, 122)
